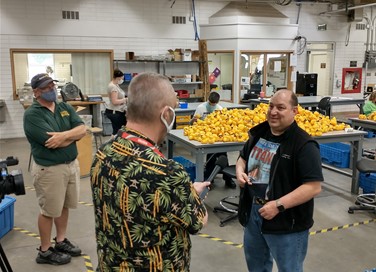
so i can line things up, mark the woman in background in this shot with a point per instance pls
(116, 109)
(370, 106)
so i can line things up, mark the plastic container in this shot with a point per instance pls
(370, 134)
(336, 154)
(189, 166)
(367, 182)
(182, 93)
(87, 119)
(183, 105)
(6, 215)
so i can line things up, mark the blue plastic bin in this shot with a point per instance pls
(6, 215)
(367, 183)
(189, 166)
(370, 134)
(183, 105)
(336, 154)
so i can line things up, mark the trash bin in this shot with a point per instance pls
(2, 110)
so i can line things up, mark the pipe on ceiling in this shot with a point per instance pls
(348, 8)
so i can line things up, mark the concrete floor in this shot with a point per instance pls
(350, 248)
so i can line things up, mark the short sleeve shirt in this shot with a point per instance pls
(38, 120)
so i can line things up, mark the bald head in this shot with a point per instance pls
(148, 94)
(282, 110)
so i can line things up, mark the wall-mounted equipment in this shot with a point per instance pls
(351, 80)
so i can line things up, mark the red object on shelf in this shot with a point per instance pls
(182, 93)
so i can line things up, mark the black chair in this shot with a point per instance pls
(324, 106)
(228, 204)
(365, 202)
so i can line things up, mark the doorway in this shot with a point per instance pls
(320, 60)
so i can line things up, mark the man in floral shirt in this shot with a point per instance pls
(145, 204)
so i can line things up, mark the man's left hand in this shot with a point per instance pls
(56, 140)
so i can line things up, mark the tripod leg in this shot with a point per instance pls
(4, 264)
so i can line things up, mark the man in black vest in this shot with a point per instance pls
(280, 170)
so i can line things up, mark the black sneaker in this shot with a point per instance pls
(51, 256)
(67, 247)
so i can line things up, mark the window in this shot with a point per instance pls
(222, 61)
(90, 70)
(268, 71)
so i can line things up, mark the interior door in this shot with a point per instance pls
(320, 61)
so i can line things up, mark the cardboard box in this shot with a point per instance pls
(129, 55)
(199, 93)
(177, 54)
(195, 55)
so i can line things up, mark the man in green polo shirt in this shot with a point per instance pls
(52, 129)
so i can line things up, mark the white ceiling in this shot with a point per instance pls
(344, 2)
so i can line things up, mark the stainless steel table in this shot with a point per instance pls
(193, 106)
(200, 150)
(313, 101)
(356, 122)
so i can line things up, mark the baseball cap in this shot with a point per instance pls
(41, 80)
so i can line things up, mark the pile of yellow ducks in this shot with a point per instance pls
(371, 117)
(233, 125)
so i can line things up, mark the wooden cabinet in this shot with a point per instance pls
(85, 153)
(184, 75)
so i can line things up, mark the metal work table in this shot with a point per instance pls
(200, 150)
(356, 122)
(313, 101)
(193, 106)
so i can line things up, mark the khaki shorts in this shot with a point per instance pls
(56, 187)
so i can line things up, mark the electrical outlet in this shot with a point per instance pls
(191, 18)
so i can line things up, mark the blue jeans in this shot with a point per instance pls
(288, 250)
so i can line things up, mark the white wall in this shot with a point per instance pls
(145, 28)
(122, 25)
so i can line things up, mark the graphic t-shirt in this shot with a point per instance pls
(259, 164)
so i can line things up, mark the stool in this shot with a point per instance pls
(97, 133)
(365, 202)
(226, 205)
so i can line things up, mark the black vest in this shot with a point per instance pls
(284, 178)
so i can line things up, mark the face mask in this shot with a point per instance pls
(121, 81)
(210, 108)
(49, 96)
(168, 127)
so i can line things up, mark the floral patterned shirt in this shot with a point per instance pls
(145, 207)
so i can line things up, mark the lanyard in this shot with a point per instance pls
(141, 141)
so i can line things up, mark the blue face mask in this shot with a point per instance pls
(49, 96)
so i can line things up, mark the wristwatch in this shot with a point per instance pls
(280, 206)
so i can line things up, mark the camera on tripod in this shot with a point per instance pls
(10, 182)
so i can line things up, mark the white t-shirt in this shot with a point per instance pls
(120, 95)
(204, 109)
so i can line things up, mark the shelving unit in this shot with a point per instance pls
(175, 70)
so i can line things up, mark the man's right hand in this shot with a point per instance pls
(199, 186)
